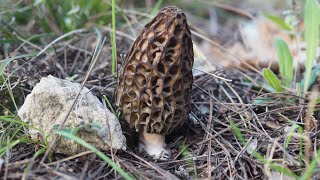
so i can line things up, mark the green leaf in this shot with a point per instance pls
(312, 21)
(272, 79)
(285, 61)
(315, 72)
(279, 21)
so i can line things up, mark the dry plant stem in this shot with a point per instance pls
(84, 170)
(75, 100)
(111, 150)
(154, 145)
(119, 33)
(310, 123)
(232, 9)
(216, 76)
(56, 172)
(61, 37)
(207, 136)
(7, 160)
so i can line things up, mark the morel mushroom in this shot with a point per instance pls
(154, 87)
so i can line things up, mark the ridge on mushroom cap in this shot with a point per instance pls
(155, 82)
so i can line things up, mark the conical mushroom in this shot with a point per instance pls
(155, 82)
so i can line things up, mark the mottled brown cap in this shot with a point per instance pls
(155, 82)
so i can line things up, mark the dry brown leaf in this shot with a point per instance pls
(257, 46)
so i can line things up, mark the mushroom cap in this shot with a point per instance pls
(155, 82)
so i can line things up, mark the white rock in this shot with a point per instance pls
(48, 104)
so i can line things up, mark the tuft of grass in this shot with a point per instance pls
(12, 133)
(187, 155)
(14, 120)
(71, 136)
(57, 16)
(312, 31)
(272, 165)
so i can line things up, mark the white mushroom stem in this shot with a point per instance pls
(154, 145)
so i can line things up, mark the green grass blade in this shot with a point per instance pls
(113, 38)
(156, 7)
(237, 131)
(289, 137)
(312, 167)
(95, 150)
(99, 44)
(283, 170)
(37, 154)
(10, 93)
(109, 104)
(12, 120)
(5, 62)
(315, 72)
(312, 21)
(285, 61)
(11, 145)
(279, 21)
(272, 79)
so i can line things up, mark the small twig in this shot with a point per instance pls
(84, 170)
(243, 149)
(224, 79)
(70, 157)
(155, 167)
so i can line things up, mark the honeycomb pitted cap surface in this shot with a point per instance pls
(155, 82)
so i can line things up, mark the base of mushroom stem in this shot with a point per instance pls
(154, 145)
